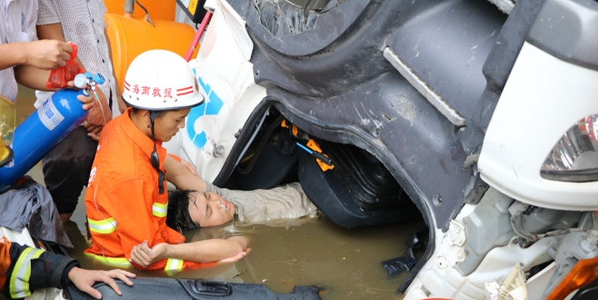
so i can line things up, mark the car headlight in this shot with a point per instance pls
(574, 158)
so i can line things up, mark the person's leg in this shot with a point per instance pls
(66, 170)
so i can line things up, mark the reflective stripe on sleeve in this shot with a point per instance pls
(173, 266)
(159, 209)
(19, 280)
(105, 226)
(112, 261)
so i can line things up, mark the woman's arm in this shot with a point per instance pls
(230, 249)
(180, 175)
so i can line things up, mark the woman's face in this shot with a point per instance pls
(169, 123)
(210, 209)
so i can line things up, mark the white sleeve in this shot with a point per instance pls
(47, 13)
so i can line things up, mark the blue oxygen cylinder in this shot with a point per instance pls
(53, 120)
(36, 136)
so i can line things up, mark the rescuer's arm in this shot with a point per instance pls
(31, 59)
(85, 279)
(47, 269)
(53, 32)
(118, 202)
(45, 54)
(97, 105)
(34, 60)
(212, 250)
(99, 113)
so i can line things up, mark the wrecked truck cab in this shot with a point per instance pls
(456, 112)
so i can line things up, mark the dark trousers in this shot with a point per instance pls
(66, 168)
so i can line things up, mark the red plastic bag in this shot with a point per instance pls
(60, 77)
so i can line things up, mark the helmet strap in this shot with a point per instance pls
(154, 158)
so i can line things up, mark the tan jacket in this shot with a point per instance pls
(266, 206)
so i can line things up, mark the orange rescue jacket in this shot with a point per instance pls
(124, 206)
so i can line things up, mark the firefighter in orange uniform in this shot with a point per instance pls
(127, 195)
(25, 269)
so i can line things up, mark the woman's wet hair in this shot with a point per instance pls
(178, 217)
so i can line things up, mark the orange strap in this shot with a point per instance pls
(313, 145)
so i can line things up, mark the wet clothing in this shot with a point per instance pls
(17, 24)
(26, 199)
(25, 269)
(265, 206)
(66, 167)
(124, 206)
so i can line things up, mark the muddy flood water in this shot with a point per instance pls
(346, 264)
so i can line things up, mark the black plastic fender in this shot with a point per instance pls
(147, 288)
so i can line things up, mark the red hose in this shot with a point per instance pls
(198, 34)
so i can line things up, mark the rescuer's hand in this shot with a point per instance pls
(47, 54)
(99, 112)
(145, 256)
(85, 279)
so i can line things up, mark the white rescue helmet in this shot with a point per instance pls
(160, 80)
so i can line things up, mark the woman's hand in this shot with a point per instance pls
(235, 258)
